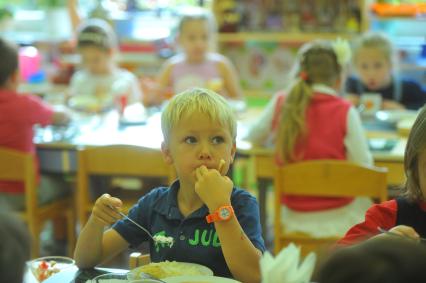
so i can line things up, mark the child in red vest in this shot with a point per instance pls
(18, 114)
(405, 215)
(311, 121)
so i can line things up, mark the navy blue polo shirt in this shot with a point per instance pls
(196, 241)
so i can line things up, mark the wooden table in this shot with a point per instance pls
(57, 146)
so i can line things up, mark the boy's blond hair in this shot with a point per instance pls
(375, 40)
(198, 100)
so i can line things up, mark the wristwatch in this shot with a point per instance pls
(223, 213)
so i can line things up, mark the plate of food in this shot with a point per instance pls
(90, 103)
(166, 269)
(199, 279)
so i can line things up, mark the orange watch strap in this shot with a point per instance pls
(213, 217)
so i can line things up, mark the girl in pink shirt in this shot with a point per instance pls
(195, 66)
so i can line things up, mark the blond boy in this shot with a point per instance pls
(212, 222)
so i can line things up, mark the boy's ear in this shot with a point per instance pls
(233, 151)
(166, 153)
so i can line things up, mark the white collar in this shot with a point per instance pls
(322, 88)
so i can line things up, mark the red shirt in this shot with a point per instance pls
(382, 215)
(326, 128)
(18, 114)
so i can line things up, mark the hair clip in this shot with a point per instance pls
(342, 50)
(303, 76)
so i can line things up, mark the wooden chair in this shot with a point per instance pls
(18, 166)
(116, 160)
(327, 178)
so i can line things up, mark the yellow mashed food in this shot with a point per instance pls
(170, 268)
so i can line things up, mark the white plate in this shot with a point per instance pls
(199, 279)
(393, 116)
(177, 268)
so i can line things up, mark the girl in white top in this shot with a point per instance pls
(101, 85)
(315, 93)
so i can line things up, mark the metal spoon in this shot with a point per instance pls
(134, 222)
(157, 241)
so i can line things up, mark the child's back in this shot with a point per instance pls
(313, 122)
(19, 114)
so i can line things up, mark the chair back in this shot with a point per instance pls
(19, 166)
(116, 160)
(326, 178)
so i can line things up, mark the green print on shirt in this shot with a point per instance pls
(163, 245)
(204, 240)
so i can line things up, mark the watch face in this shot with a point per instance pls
(224, 213)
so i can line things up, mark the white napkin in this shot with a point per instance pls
(285, 267)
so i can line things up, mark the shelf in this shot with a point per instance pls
(278, 36)
(398, 18)
(266, 94)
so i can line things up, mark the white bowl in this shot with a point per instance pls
(44, 267)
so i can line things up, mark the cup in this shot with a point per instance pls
(110, 277)
(371, 102)
(29, 62)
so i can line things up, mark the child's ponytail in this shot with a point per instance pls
(318, 64)
(292, 120)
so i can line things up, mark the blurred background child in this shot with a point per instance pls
(14, 248)
(391, 260)
(196, 66)
(375, 72)
(18, 115)
(405, 215)
(311, 121)
(100, 84)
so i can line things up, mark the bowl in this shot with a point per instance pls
(111, 278)
(44, 267)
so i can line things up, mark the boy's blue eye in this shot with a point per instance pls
(377, 65)
(190, 140)
(218, 140)
(364, 66)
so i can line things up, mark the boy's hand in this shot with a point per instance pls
(212, 187)
(104, 211)
(405, 231)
